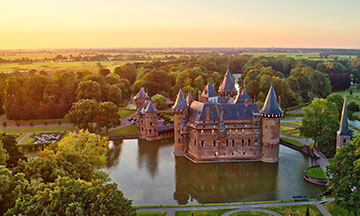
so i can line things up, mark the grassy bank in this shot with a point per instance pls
(295, 210)
(316, 172)
(292, 141)
(127, 130)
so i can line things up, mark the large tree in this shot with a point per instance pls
(84, 114)
(9, 144)
(159, 100)
(67, 196)
(320, 122)
(344, 173)
(109, 115)
(3, 155)
(88, 90)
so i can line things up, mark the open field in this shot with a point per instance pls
(313, 55)
(38, 129)
(296, 210)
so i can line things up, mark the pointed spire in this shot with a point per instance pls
(150, 107)
(141, 93)
(210, 90)
(180, 102)
(344, 124)
(227, 84)
(271, 107)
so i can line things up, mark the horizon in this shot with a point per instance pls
(40, 24)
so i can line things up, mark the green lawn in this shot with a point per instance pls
(38, 129)
(34, 122)
(128, 130)
(27, 140)
(335, 210)
(215, 212)
(152, 213)
(316, 172)
(285, 128)
(250, 213)
(296, 210)
(292, 141)
(290, 128)
(354, 97)
(124, 113)
(292, 118)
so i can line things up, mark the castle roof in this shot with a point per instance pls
(227, 84)
(344, 124)
(141, 93)
(231, 111)
(150, 107)
(209, 91)
(180, 102)
(271, 106)
(242, 97)
(189, 99)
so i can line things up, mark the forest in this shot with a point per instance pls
(38, 94)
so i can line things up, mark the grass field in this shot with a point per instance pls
(216, 212)
(296, 210)
(290, 128)
(34, 122)
(153, 213)
(124, 113)
(128, 130)
(292, 141)
(354, 97)
(316, 172)
(314, 55)
(250, 213)
(335, 210)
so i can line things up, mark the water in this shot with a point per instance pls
(148, 173)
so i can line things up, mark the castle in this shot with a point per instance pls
(223, 126)
(226, 126)
(343, 135)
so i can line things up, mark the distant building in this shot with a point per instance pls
(343, 134)
(226, 127)
(140, 98)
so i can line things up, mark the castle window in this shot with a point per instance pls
(256, 130)
(194, 142)
(249, 142)
(202, 131)
(243, 130)
(214, 143)
(142, 129)
(232, 153)
(150, 131)
(242, 142)
(178, 139)
(202, 143)
(243, 153)
(256, 142)
(229, 130)
(212, 131)
(236, 130)
(227, 143)
(151, 123)
(233, 142)
(344, 141)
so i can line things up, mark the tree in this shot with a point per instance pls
(68, 196)
(88, 90)
(84, 113)
(127, 71)
(159, 101)
(337, 99)
(9, 144)
(353, 106)
(344, 170)
(113, 94)
(3, 155)
(12, 185)
(320, 122)
(109, 115)
(78, 155)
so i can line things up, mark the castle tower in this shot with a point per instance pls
(150, 122)
(343, 134)
(180, 108)
(140, 98)
(227, 87)
(184, 131)
(138, 122)
(270, 115)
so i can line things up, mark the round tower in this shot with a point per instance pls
(150, 121)
(270, 115)
(179, 109)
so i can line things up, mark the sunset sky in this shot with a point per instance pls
(38, 24)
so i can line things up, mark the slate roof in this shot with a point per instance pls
(271, 105)
(141, 93)
(231, 111)
(180, 102)
(241, 97)
(150, 107)
(209, 91)
(227, 84)
(344, 124)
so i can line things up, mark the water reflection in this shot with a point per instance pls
(148, 173)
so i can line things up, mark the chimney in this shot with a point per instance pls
(279, 100)
(207, 113)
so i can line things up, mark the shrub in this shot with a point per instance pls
(4, 124)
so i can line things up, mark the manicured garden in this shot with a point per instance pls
(290, 128)
(316, 172)
(296, 210)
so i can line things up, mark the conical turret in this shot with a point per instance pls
(344, 124)
(180, 102)
(227, 86)
(271, 108)
(150, 107)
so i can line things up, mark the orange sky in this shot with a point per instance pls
(40, 24)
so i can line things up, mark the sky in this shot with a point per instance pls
(41, 24)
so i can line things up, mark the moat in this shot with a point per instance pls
(148, 173)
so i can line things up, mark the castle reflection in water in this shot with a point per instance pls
(181, 181)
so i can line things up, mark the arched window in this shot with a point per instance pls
(214, 143)
(233, 142)
(194, 142)
(202, 143)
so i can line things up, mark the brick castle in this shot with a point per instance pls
(223, 126)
